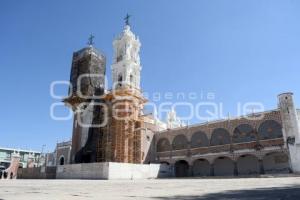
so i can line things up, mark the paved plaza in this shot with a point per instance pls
(163, 189)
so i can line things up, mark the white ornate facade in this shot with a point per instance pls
(172, 120)
(126, 68)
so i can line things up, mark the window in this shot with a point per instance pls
(120, 79)
(131, 78)
(62, 161)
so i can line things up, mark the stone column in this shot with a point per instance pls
(190, 171)
(261, 167)
(212, 170)
(235, 171)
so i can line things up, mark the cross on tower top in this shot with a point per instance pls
(127, 19)
(91, 40)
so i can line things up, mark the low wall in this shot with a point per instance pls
(134, 171)
(37, 173)
(83, 171)
(295, 157)
(111, 170)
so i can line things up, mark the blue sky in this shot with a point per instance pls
(240, 50)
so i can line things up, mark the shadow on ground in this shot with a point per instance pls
(274, 193)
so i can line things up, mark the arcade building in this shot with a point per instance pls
(110, 125)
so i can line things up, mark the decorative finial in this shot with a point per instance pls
(127, 19)
(91, 40)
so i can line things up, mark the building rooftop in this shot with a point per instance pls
(19, 150)
(89, 49)
(219, 120)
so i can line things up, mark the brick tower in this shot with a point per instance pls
(87, 87)
(125, 101)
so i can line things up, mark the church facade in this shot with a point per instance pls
(110, 126)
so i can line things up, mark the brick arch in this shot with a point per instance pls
(243, 133)
(165, 163)
(199, 139)
(213, 160)
(276, 162)
(201, 167)
(163, 144)
(223, 166)
(235, 123)
(220, 136)
(248, 164)
(62, 160)
(180, 142)
(270, 129)
(181, 168)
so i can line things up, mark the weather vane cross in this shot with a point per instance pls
(91, 40)
(127, 19)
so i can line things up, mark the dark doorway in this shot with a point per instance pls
(181, 168)
(201, 167)
(62, 161)
(86, 158)
(248, 165)
(223, 166)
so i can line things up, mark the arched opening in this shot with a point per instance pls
(120, 79)
(220, 136)
(248, 165)
(181, 168)
(179, 142)
(275, 163)
(5, 174)
(163, 144)
(270, 129)
(201, 167)
(62, 161)
(131, 78)
(199, 139)
(243, 133)
(223, 166)
(165, 163)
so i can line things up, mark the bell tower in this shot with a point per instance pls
(126, 67)
(126, 102)
(87, 85)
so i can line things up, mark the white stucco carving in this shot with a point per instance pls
(161, 125)
(126, 66)
(172, 120)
